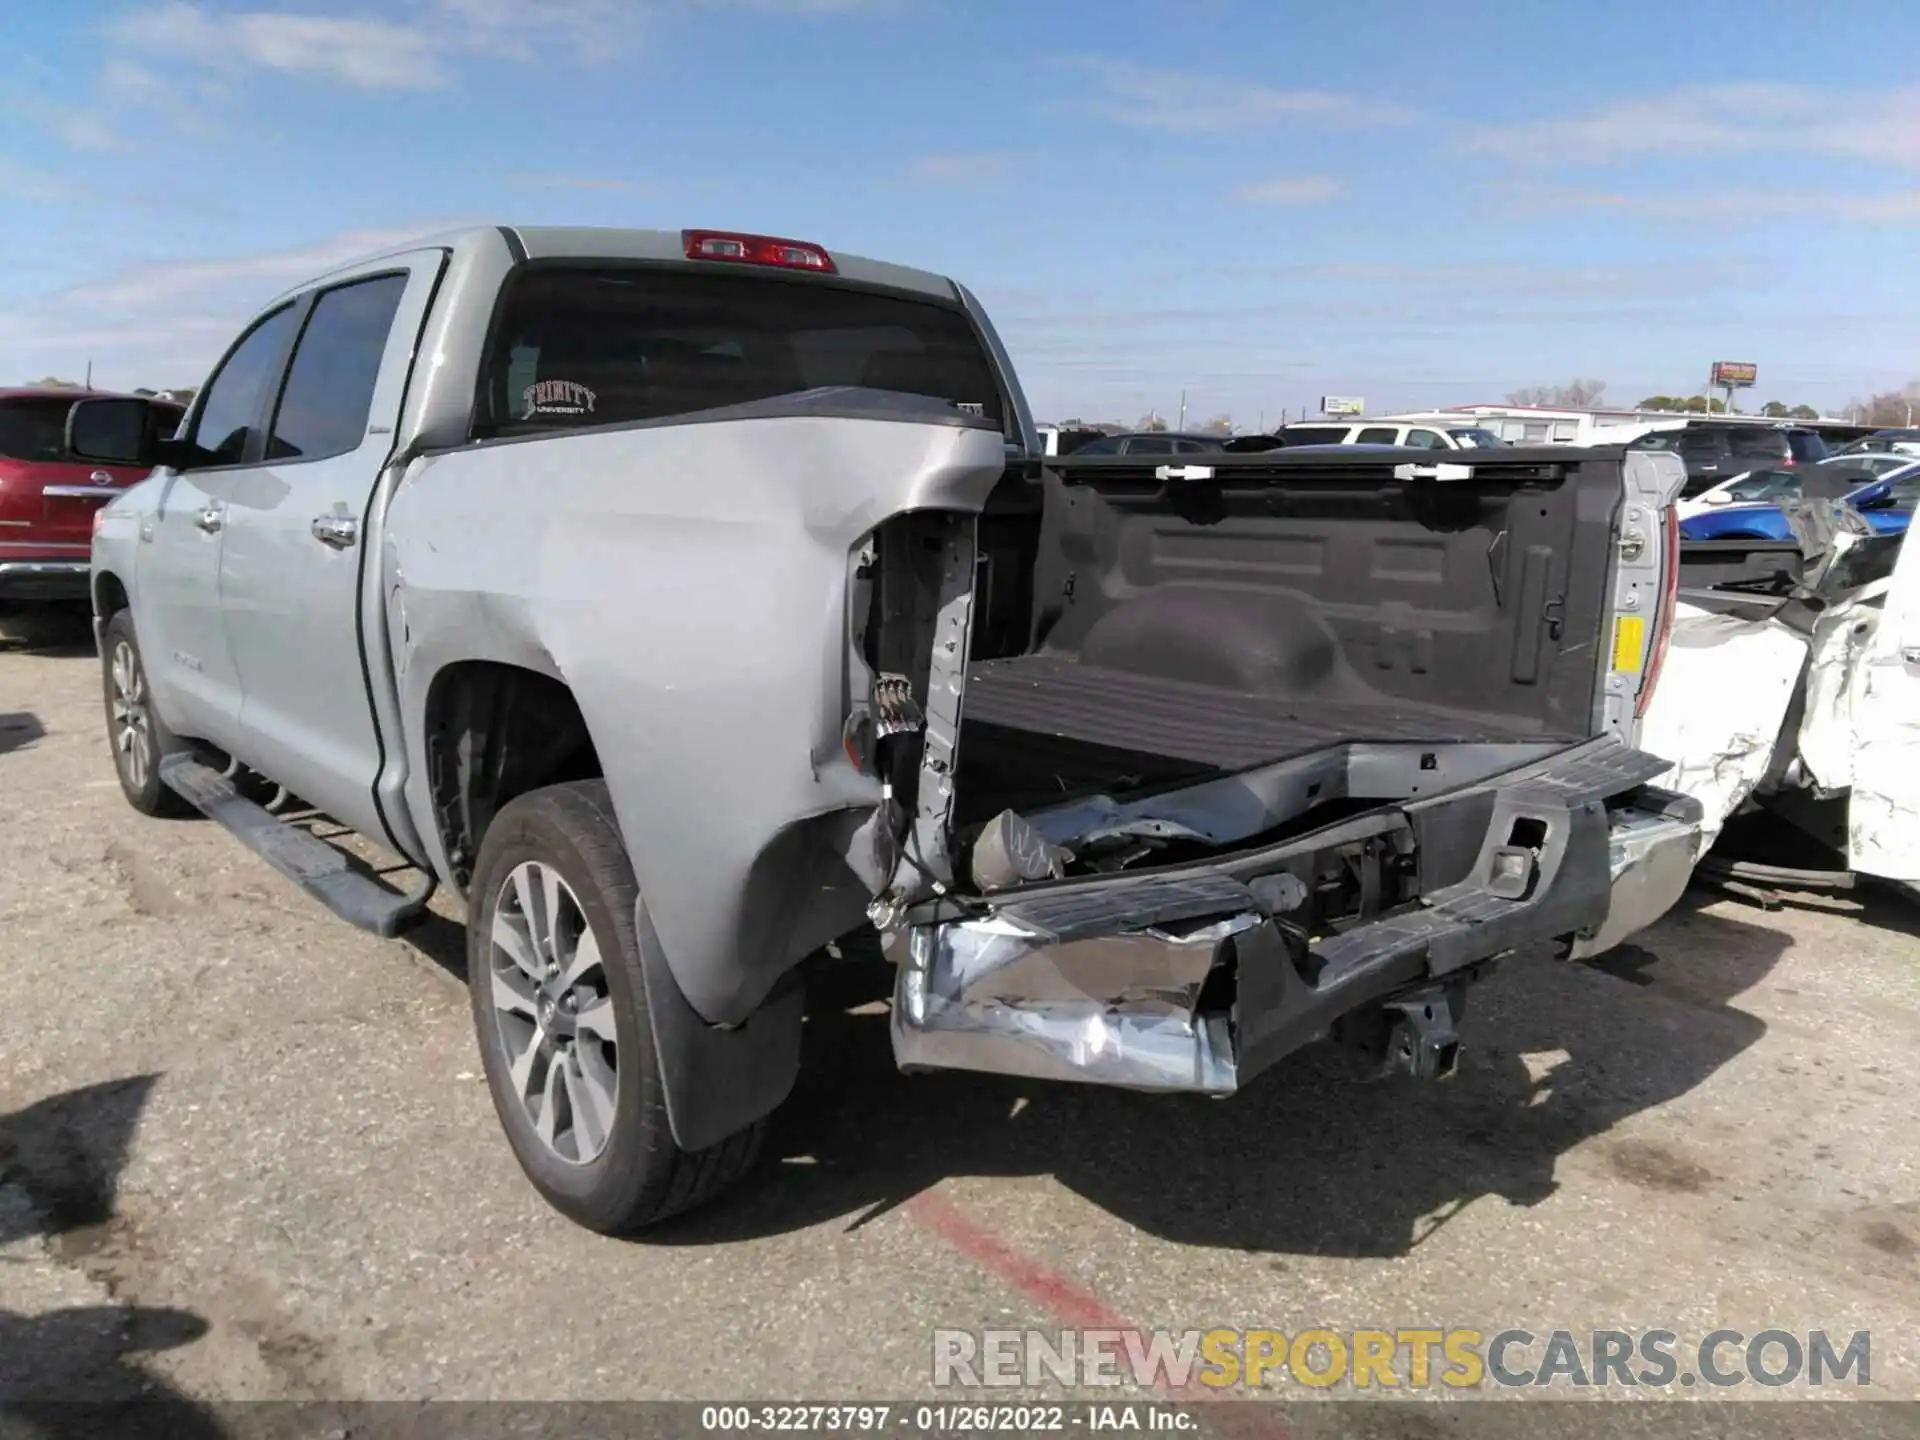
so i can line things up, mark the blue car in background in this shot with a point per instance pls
(1751, 510)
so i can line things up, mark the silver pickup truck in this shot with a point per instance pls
(696, 604)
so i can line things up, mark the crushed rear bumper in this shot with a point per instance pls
(1195, 980)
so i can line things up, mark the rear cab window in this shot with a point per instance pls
(612, 343)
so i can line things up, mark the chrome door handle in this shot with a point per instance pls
(339, 531)
(210, 519)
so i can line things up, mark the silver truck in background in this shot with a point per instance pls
(687, 601)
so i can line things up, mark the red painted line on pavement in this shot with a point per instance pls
(1067, 1302)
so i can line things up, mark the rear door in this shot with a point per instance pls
(291, 571)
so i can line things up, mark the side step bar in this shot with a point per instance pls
(311, 863)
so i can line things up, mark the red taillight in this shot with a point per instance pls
(1669, 599)
(756, 250)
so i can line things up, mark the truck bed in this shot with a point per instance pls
(1212, 726)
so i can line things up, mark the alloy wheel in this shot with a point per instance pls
(554, 1012)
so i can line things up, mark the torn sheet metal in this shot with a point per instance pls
(1722, 698)
(1883, 694)
(1838, 650)
(1119, 1009)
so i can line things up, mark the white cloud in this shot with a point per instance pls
(1193, 104)
(1291, 190)
(1714, 207)
(959, 169)
(370, 54)
(1741, 118)
(578, 182)
(165, 324)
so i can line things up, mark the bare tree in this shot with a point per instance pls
(1150, 421)
(1895, 407)
(1218, 425)
(1574, 395)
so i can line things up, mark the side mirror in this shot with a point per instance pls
(1874, 497)
(114, 431)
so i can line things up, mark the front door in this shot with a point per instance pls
(190, 669)
(296, 552)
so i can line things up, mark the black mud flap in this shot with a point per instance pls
(717, 1082)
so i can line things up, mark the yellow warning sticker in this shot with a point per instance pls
(1629, 642)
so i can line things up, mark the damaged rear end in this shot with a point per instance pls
(1187, 766)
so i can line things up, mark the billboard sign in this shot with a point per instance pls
(1736, 373)
(1342, 405)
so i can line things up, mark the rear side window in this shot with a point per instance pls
(1378, 435)
(231, 406)
(34, 429)
(603, 345)
(1149, 445)
(1108, 446)
(1316, 434)
(1770, 444)
(329, 392)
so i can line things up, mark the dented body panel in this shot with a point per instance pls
(689, 583)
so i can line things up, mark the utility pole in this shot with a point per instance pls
(1183, 412)
(89, 374)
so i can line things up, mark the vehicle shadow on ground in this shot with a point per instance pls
(1306, 1159)
(19, 729)
(76, 1372)
(58, 630)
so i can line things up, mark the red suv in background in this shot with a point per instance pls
(47, 500)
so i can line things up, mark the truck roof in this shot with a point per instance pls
(593, 242)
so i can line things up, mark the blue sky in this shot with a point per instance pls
(1256, 203)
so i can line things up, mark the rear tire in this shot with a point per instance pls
(138, 736)
(560, 1011)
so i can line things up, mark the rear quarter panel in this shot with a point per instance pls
(689, 583)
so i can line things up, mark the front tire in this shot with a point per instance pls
(139, 737)
(560, 1011)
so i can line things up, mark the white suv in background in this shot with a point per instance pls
(1382, 432)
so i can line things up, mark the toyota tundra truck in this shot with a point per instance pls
(689, 603)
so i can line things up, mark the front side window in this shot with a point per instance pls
(1110, 445)
(1378, 435)
(1765, 485)
(606, 344)
(329, 392)
(1475, 437)
(231, 405)
(1150, 445)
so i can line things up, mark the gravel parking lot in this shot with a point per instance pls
(246, 1153)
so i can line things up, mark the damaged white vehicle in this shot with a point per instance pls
(687, 602)
(1793, 687)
